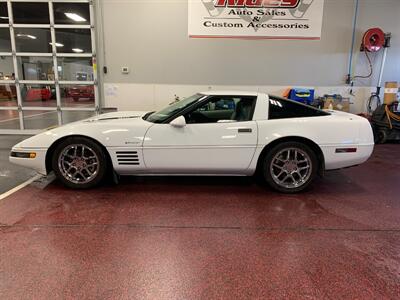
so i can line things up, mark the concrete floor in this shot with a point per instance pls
(207, 238)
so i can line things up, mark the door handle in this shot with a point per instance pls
(245, 130)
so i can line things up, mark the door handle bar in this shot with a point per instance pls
(245, 130)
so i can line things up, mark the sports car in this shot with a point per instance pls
(211, 133)
(81, 92)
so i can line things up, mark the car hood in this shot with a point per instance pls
(117, 116)
(118, 129)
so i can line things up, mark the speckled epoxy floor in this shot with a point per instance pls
(207, 238)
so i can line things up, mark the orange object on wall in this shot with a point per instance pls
(286, 93)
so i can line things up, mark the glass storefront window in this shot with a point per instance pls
(35, 68)
(73, 116)
(77, 95)
(75, 68)
(40, 95)
(9, 119)
(33, 40)
(6, 68)
(31, 13)
(71, 13)
(74, 40)
(5, 40)
(30, 61)
(40, 119)
(8, 95)
(3, 13)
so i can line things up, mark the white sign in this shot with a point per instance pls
(274, 19)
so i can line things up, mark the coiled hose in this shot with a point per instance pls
(391, 116)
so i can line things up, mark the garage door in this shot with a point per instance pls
(48, 73)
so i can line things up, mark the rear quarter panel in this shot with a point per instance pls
(339, 130)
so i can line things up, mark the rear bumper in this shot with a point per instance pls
(334, 160)
(38, 163)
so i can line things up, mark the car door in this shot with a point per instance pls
(219, 137)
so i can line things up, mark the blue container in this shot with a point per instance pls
(305, 96)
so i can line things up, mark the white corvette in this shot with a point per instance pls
(211, 133)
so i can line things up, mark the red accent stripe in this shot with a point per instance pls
(252, 37)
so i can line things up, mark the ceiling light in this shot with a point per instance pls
(75, 17)
(58, 44)
(77, 50)
(21, 35)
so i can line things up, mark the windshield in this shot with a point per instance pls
(173, 109)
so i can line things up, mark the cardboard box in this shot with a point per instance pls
(342, 104)
(391, 90)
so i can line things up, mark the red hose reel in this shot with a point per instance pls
(373, 40)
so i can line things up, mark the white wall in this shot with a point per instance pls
(150, 37)
(152, 97)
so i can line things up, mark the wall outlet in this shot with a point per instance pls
(125, 70)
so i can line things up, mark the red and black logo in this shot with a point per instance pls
(258, 3)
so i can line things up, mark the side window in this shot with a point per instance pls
(223, 109)
(280, 108)
(221, 104)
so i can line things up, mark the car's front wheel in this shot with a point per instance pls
(79, 163)
(290, 167)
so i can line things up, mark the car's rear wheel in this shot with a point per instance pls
(79, 163)
(290, 167)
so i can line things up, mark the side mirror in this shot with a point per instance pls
(179, 122)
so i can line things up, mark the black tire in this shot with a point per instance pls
(381, 136)
(91, 146)
(268, 168)
(76, 99)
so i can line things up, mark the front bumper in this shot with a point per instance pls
(38, 163)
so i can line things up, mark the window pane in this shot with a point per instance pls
(6, 68)
(5, 41)
(3, 13)
(35, 68)
(8, 95)
(71, 13)
(9, 119)
(33, 40)
(30, 13)
(73, 116)
(38, 95)
(223, 108)
(74, 40)
(77, 95)
(40, 119)
(75, 69)
(285, 109)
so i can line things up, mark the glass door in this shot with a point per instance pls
(48, 70)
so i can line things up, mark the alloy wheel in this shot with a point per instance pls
(78, 163)
(291, 168)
